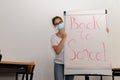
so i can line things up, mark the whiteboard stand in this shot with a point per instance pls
(87, 44)
(87, 77)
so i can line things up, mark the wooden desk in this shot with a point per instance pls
(18, 68)
(116, 72)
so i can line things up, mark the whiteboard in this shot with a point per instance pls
(86, 49)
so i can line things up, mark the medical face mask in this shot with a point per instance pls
(60, 26)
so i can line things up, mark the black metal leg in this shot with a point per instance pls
(16, 76)
(86, 77)
(101, 77)
(31, 76)
(23, 76)
(112, 77)
(26, 76)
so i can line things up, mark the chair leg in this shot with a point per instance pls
(26, 76)
(31, 76)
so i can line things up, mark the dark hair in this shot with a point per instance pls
(0, 57)
(54, 18)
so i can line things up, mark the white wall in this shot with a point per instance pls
(25, 30)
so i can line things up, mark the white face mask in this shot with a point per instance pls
(60, 26)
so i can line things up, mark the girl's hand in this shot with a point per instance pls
(107, 29)
(64, 35)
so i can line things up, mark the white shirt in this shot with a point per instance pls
(59, 58)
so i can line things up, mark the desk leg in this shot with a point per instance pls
(86, 77)
(16, 76)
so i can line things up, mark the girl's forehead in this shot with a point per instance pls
(57, 19)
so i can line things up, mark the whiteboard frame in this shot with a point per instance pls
(92, 12)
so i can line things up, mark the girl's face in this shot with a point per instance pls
(58, 23)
